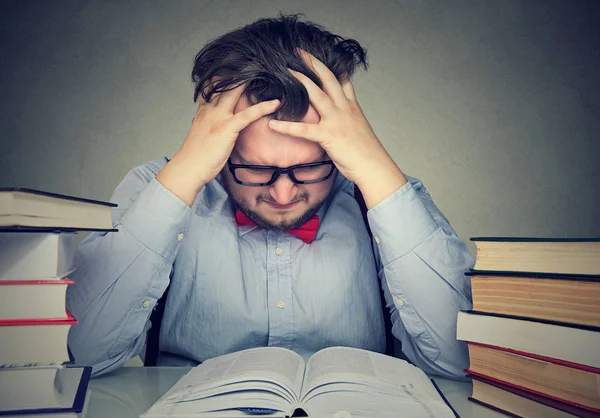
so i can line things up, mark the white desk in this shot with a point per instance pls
(129, 391)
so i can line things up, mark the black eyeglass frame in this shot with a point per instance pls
(277, 171)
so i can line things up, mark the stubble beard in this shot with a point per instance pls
(257, 218)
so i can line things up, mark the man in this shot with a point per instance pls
(254, 226)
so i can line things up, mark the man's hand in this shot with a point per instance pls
(209, 143)
(345, 134)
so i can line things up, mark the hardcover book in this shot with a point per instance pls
(570, 383)
(567, 342)
(27, 208)
(35, 341)
(48, 296)
(573, 256)
(519, 403)
(36, 255)
(557, 297)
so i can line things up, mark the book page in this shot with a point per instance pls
(233, 404)
(338, 364)
(369, 405)
(245, 386)
(372, 383)
(280, 368)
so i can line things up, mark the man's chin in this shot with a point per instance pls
(268, 217)
(278, 219)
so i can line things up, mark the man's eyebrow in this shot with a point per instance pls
(245, 161)
(239, 155)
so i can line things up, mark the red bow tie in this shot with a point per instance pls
(306, 232)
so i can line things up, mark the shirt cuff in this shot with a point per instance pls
(158, 219)
(400, 223)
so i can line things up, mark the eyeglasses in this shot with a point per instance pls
(265, 175)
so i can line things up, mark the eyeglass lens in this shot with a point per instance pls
(263, 175)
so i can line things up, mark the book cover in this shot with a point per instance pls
(539, 275)
(439, 391)
(530, 239)
(75, 395)
(51, 229)
(55, 195)
(68, 320)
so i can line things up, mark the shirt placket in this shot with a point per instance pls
(279, 290)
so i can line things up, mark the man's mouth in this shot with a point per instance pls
(276, 205)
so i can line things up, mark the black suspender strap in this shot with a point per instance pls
(389, 337)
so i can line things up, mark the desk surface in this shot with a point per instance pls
(129, 391)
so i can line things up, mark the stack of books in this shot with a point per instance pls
(37, 249)
(534, 331)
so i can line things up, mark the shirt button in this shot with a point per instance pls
(278, 251)
(146, 303)
(179, 237)
(280, 304)
(399, 302)
(377, 239)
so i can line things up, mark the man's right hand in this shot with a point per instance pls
(209, 143)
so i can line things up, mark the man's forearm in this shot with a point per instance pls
(176, 178)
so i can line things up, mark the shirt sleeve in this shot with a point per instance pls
(120, 275)
(421, 263)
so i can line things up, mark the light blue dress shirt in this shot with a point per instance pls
(233, 288)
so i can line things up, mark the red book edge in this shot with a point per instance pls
(565, 363)
(68, 320)
(543, 400)
(503, 382)
(63, 281)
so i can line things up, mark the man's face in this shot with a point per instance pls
(283, 204)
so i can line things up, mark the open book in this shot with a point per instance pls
(275, 382)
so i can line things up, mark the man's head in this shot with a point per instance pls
(259, 55)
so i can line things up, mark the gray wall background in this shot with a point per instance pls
(494, 104)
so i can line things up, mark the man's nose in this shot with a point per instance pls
(283, 190)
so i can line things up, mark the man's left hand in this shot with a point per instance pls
(345, 134)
